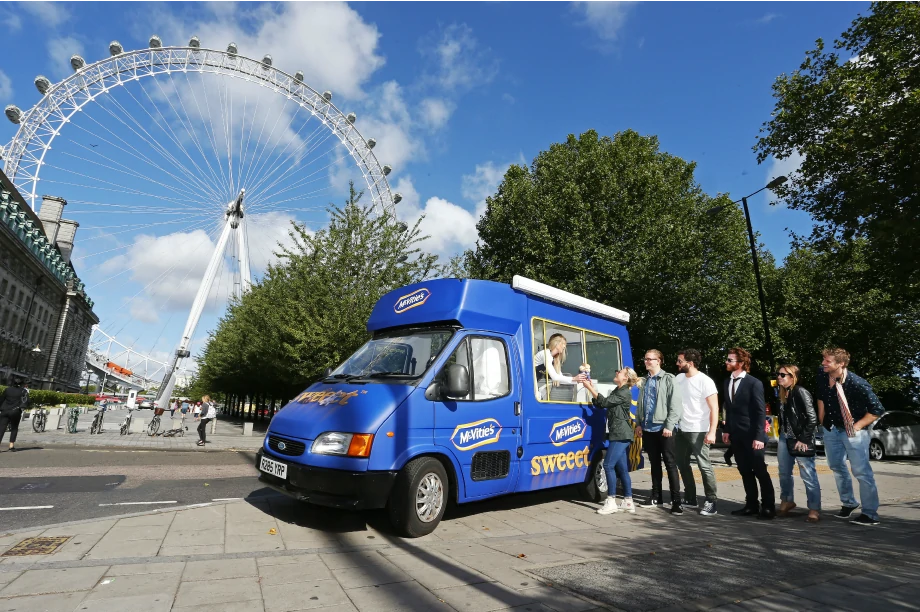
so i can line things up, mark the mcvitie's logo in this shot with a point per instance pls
(472, 435)
(407, 302)
(567, 431)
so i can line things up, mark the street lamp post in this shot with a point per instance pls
(763, 302)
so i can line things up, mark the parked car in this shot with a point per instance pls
(896, 433)
(145, 404)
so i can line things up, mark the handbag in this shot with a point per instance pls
(808, 452)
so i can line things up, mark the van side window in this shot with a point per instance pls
(604, 357)
(486, 359)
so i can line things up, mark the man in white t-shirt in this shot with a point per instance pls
(697, 429)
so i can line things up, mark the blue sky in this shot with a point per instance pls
(453, 92)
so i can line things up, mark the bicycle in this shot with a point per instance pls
(154, 426)
(72, 419)
(96, 427)
(176, 431)
(39, 420)
(126, 424)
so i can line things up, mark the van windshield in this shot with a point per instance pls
(395, 356)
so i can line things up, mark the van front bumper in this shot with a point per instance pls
(328, 487)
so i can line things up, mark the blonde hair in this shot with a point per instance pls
(554, 341)
(632, 379)
(792, 371)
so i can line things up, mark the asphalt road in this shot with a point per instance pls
(43, 486)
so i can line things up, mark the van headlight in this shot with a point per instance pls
(343, 444)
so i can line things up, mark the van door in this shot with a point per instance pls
(482, 428)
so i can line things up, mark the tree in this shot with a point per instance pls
(854, 120)
(310, 310)
(618, 221)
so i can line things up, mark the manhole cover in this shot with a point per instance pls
(36, 546)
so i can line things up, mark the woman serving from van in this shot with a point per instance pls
(548, 362)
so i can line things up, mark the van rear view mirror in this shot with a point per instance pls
(433, 392)
(458, 381)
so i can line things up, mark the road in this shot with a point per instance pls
(42, 486)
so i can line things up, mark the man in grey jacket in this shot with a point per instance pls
(657, 415)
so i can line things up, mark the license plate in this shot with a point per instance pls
(275, 468)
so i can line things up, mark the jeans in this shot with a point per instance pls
(807, 472)
(616, 463)
(657, 446)
(691, 443)
(202, 429)
(753, 469)
(838, 447)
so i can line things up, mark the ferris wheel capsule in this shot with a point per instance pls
(267, 61)
(232, 49)
(42, 84)
(351, 118)
(194, 43)
(397, 198)
(371, 143)
(77, 62)
(387, 170)
(115, 48)
(13, 113)
(298, 76)
(327, 95)
(155, 42)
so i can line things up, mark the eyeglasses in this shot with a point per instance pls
(783, 375)
(651, 359)
(731, 361)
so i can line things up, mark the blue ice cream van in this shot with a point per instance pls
(452, 400)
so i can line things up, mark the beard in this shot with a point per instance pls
(683, 369)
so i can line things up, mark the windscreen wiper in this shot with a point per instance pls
(343, 377)
(385, 374)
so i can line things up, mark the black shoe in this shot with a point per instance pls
(767, 513)
(846, 511)
(728, 460)
(865, 520)
(13, 450)
(676, 509)
(691, 502)
(746, 511)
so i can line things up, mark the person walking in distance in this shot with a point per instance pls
(208, 413)
(697, 432)
(12, 401)
(846, 406)
(745, 412)
(798, 421)
(172, 408)
(657, 415)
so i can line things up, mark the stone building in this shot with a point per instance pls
(46, 318)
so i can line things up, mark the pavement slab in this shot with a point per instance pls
(40, 582)
(58, 602)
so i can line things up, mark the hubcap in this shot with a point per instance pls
(876, 451)
(429, 497)
(600, 477)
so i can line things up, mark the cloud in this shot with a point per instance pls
(460, 62)
(781, 167)
(435, 112)
(50, 14)
(389, 122)
(12, 22)
(60, 51)
(767, 18)
(485, 180)
(507, 97)
(605, 19)
(265, 233)
(6, 87)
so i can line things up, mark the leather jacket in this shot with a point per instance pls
(799, 412)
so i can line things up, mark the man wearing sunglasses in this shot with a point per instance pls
(745, 413)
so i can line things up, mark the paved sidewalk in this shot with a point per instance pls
(228, 436)
(537, 552)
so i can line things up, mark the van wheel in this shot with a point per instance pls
(419, 497)
(594, 488)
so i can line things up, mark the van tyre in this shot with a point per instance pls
(419, 497)
(594, 488)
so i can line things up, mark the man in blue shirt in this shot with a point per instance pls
(840, 419)
(657, 414)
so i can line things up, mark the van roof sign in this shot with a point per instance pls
(532, 287)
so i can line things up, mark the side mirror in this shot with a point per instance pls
(458, 381)
(327, 373)
(433, 392)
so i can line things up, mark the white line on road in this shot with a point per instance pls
(28, 508)
(140, 503)
(227, 499)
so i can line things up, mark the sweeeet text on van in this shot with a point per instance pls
(450, 401)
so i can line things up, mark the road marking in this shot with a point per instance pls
(227, 499)
(139, 503)
(28, 508)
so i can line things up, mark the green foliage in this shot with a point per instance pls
(854, 119)
(41, 397)
(618, 221)
(309, 311)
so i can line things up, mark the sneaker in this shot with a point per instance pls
(709, 509)
(676, 509)
(628, 506)
(609, 507)
(691, 502)
(865, 520)
(845, 512)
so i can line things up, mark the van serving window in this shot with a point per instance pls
(486, 359)
(573, 347)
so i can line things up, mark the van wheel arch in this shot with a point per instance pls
(590, 489)
(421, 475)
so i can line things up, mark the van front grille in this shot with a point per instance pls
(490, 465)
(287, 447)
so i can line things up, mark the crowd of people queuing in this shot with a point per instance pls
(677, 418)
(204, 412)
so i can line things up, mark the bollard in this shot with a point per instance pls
(247, 429)
(213, 426)
(54, 420)
(138, 425)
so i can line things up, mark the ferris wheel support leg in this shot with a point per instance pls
(197, 307)
(245, 273)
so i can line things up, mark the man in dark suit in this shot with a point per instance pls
(745, 414)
